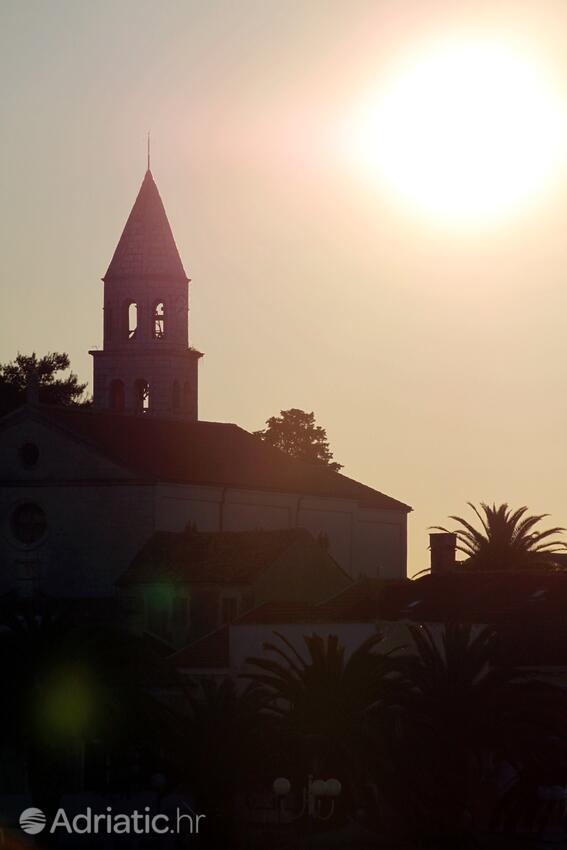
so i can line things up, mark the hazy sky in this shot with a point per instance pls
(435, 355)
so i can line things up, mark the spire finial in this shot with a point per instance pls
(148, 150)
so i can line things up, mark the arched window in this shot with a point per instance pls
(132, 320)
(142, 396)
(108, 324)
(29, 454)
(158, 321)
(186, 395)
(116, 395)
(175, 396)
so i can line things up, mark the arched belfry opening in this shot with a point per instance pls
(142, 396)
(158, 321)
(132, 320)
(146, 320)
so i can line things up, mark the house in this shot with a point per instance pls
(191, 583)
(357, 612)
(526, 609)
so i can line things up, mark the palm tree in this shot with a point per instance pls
(507, 540)
(469, 719)
(327, 707)
(223, 748)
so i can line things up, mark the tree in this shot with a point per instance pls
(294, 432)
(74, 683)
(327, 707)
(471, 720)
(507, 539)
(16, 376)
(223, 747)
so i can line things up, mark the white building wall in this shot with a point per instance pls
(98, 515)
(246, 640)
(362, 541)
(380, 544)
(92, 533)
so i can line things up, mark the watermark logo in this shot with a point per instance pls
(32, 821)
(109, 822)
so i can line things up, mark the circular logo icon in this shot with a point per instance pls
(32, 821)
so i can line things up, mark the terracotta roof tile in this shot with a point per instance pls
(232, 557)
(491, 597)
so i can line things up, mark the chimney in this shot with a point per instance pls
(443, 548)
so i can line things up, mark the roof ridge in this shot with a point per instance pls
(218, 454)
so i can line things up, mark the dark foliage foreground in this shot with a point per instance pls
(439, 744)
(44, 373)
(436, 744)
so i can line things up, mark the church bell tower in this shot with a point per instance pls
(146, 365)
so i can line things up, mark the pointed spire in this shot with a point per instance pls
(147, 247)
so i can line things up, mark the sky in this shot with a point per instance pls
(432, 348)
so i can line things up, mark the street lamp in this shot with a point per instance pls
(313, 793)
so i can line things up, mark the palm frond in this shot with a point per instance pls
(507, 540)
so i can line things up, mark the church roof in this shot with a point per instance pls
(215, 453)
(147, 247)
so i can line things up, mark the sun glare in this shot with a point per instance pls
(467, 131)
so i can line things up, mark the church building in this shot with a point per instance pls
(83, 490)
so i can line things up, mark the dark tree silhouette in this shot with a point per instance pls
(507, 540)
(223, 748)
(327, 706)
(71, 683)
(295, 432)
(472, 725)
(52, 389)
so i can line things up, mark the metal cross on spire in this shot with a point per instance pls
(148, 150)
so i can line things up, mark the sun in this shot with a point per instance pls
(467, 130)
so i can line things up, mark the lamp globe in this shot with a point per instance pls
(281, 786)
(332, 788)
